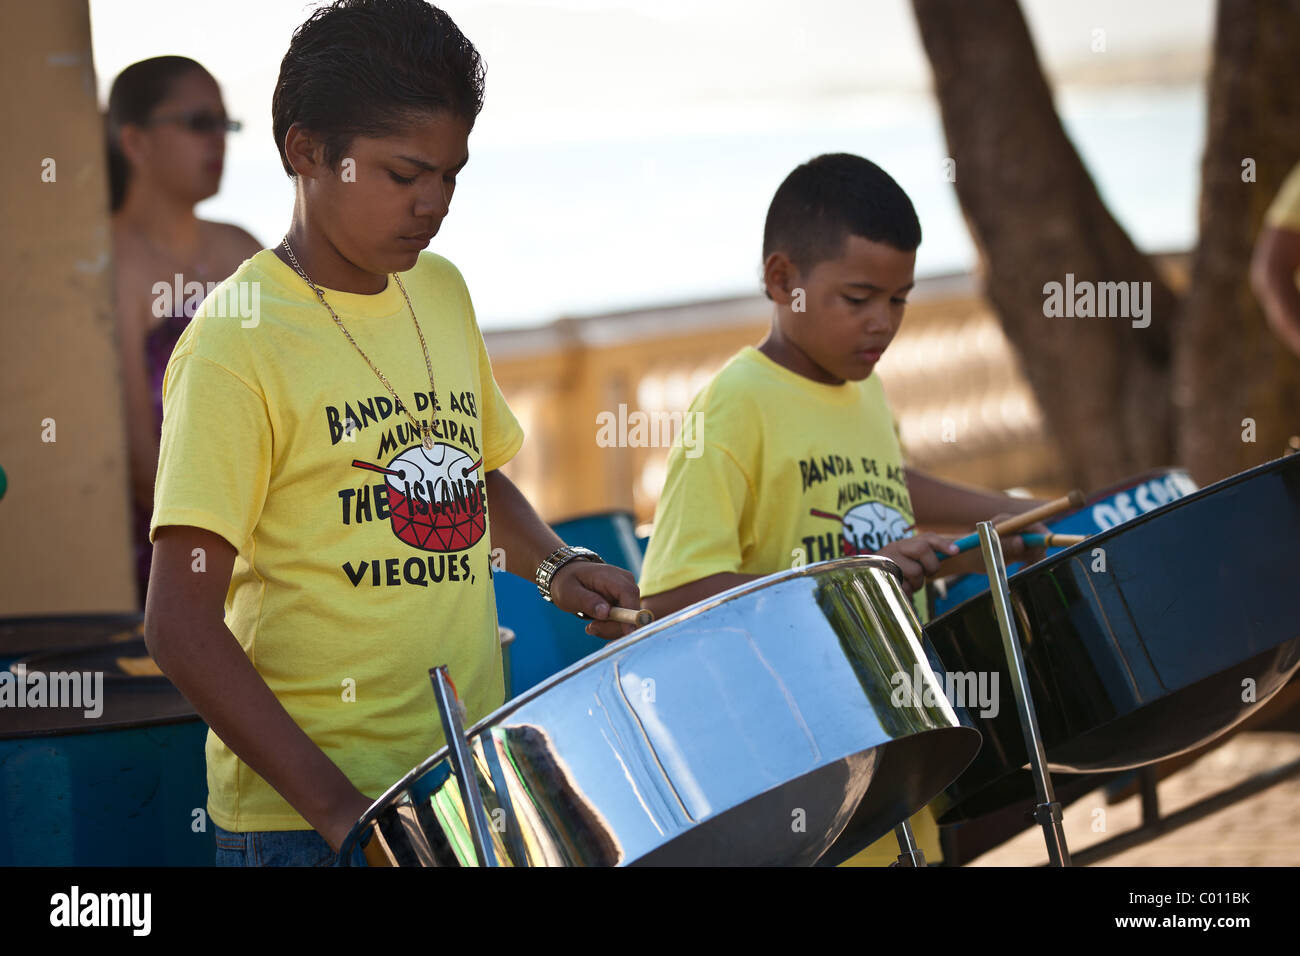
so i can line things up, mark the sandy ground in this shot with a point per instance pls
(1263, 830)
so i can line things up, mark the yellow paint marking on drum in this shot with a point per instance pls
(885, 850)
(139, 666)
(374, 850)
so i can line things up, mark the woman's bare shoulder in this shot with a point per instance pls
(135, 266)
(231, 243)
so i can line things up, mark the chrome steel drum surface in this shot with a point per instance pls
(1140, 643)
(763, 726)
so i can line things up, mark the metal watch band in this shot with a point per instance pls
(558, 559)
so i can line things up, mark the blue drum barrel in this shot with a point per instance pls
(1104, 510)
(547, 640)
(103, 767)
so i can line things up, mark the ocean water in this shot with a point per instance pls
(624, 214)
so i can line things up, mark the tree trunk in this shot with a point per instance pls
(1228, 367)
(1036, 216)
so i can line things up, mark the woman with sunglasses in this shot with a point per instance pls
(166, 130)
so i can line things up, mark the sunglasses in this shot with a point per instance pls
(200, 121)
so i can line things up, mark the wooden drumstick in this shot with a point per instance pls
(1074, 499)
(625, 615)
(1052, 540)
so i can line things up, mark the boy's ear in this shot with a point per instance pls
(305, 153)
(780, 278)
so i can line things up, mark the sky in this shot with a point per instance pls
(627, 150)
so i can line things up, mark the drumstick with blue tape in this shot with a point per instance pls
(1052, 540)
(1074, 499)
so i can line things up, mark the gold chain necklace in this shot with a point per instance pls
(423, 430)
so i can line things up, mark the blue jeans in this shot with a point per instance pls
(273, 848)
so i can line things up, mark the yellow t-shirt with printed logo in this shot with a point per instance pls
(780, 470)
(363, 559)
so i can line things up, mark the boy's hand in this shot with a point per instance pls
(589, 588)
(1013, 546)
(916, 557)
(343, 816)
(1013, 550)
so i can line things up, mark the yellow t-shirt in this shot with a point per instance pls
(775, 470)
(781, 471)
(1284, 212)
(363, 560)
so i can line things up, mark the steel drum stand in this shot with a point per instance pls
(1047, 812)
(912, 854)
(453, 731)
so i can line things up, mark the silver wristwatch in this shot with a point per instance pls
(558, 559)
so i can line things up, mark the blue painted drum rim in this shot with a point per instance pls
(23, 636)
(155, 700)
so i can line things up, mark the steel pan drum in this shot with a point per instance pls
(757, 727)
(1191, 623)
(1104, 510)
(120, 789)
(24, 636)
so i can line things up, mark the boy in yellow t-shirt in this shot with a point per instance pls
(328, 491)
(797, 459)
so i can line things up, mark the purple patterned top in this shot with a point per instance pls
(159, 344)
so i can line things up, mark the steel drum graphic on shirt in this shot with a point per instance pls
(435, 497)
(868, 527)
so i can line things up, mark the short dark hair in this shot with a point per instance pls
(135, 93)
(830, 198)
(364, 67)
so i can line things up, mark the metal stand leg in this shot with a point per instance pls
(458, 750)
(911, 855)
(1147, 781)
(1048, 811)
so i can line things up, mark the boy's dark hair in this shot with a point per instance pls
(363, 67)
(135, 93)
(830, 198)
